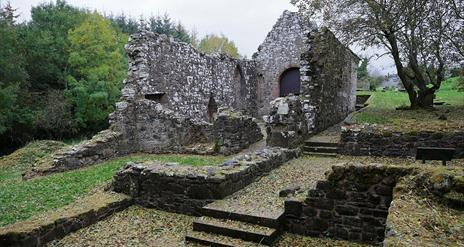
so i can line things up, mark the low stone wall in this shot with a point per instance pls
(185, 189)
(376, 141)
(351, 204)
(286, 124)
(103, 146)
(57, 224)
(234, 132)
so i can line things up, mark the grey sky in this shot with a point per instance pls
(246, 22)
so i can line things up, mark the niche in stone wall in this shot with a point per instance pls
(212, 109)
(161, 98)
(289, 82)
(240, 88)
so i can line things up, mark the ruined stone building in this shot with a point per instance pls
(173, 92)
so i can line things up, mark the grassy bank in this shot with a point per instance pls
(19, 200)
(382, 105)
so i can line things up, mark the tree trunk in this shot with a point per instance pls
(418, 99)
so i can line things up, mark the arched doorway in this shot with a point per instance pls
(290, 82)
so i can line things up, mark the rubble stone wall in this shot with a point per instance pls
(186, 189)
(328, 79)
(286, 124)
(186, 80)
(173, 92)
(280, 51)
(352, 203)
(234, 132)
(367, 140)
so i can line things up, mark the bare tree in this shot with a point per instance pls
(422, 36)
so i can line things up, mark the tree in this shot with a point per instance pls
(124, 24)
(218, 44)
(48, 44)
(13, 75)
(419, 36)
(362, 69)
(164, 25)
(98, 68)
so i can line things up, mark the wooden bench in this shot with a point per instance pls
(434, 153)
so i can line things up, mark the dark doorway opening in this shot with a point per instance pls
(290, 82)
(212, 109)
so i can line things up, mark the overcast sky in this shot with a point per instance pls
(246, 22)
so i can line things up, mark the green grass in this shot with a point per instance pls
(20, 200)
(382, 105)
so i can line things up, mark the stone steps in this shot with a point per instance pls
(236, 229)
(219, 227)
(321, 149)
(320, 144)
(330, 155)
(216, 240)
(326, 149)
(271, 222)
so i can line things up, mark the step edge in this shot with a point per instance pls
(190, 237)
(257, 233)
(253, 219)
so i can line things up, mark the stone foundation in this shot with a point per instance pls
(55, 225)
(234, 132)
(373, 140)
(351, 204)
(186, 189)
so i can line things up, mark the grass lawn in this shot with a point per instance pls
(19, 200)
(381, 110)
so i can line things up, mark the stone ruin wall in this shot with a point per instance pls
(187, 78)
(186, 189)
(373, 140)
(280, 51)
(173, 92)
(328, 80)
(352, 204)
(328, 91)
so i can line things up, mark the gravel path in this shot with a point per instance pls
(261, 198)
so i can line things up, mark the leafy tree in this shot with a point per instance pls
(12, 72)
(218, 44)
(12, 63)
(48, 43)
(423, 37)
(98, 68)
(362, 69)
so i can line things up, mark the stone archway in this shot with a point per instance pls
(289, 82)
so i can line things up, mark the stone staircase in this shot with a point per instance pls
(328, 149)
(219, 227)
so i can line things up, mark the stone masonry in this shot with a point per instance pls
(234, 132)
(186, 189)
(172, 93)
(378, 141)
(351, 204)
